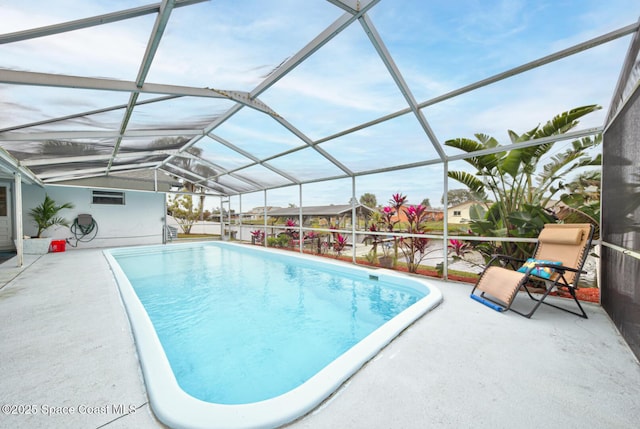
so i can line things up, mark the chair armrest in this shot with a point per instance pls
(575, 270)
(559, 269)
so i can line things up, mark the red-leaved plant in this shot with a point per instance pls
(339, 243)
(292, 229)
(414, 249)
(257, 235)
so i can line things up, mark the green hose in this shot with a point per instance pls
(83, 233)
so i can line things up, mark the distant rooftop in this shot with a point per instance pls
(330, 210)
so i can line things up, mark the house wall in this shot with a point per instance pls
(139, 221)
(463, 217)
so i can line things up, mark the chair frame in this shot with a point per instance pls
(558, 282)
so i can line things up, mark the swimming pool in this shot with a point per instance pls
(261, 344)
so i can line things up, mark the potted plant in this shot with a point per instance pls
(257, 236)
(44, 216)
(386, 260)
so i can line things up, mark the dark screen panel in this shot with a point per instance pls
(620, 288)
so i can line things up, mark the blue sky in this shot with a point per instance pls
(233, 45)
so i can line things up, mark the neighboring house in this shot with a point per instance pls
(460, 212)
(257, 213)
(433, 215)
(335, 214)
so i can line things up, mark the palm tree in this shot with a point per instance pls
(520, 187)
(46, 214)
(189, 164)
(582, 200)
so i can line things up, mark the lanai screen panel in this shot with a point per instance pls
(234, 45)
(112, 50)
(55, 151)
(31, 109)
(516, 103)
(307, 164)
(153, 143)
(342, 85)
(232, 183)
(212, 151)
(263, 176)
(179, 113)
(447, 45)
(391, 143)
(257, 133)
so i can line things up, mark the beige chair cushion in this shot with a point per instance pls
(501, 283)
(561, 236)
(557, 243)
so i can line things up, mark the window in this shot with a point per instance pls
(457, 213)
(108, 197)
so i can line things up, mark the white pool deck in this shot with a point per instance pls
(65, 342)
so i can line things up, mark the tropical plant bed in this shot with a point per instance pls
(588, 294)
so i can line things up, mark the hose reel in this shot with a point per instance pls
(84, 229)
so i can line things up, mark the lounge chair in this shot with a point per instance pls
(558, 260)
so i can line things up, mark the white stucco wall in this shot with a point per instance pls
(139, 221)
(199, 227)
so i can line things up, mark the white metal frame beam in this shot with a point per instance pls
(71, 174)
(89, 22)
(101, 84)
(152, 47)
(90, 158)
(79, 135)
(94, 175)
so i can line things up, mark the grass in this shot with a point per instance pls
(192, 236)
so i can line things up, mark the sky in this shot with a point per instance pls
(233, 45)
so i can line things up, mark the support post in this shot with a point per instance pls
(264, 242)
(240, 235)
(164, 222)
(17, 196)
(445, 222)
(300, 231)
(222, 236)
(229, 216)
(354, 201)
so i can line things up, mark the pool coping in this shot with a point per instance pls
(177, 409)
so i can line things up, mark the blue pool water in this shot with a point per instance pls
(240, 325)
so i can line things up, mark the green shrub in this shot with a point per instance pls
(282, 240)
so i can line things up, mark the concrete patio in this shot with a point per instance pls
(66, 347)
